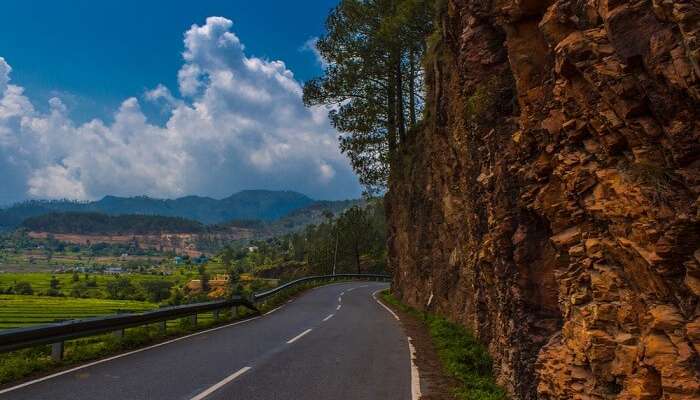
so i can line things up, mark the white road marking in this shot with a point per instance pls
(339, 305)
(342, 293)
(78, 368)
(328, 317)
(340, 299)
(415, 377)
(221, 384)
(290, 301)
(382, 304)
(271, 311)
(297, 337)
(351, 289)
(362, 286)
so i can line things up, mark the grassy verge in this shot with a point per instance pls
(462, 356)
(33, 361)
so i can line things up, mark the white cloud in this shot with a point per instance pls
(310, 45)
(5, 70)
(241, 125)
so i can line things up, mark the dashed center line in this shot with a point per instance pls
(297, 337)
(328, 317)
(339, 305)
(351, 289)
(221, 384)
(340, 299)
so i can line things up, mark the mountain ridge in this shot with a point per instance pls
(264, 205)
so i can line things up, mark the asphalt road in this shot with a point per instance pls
(334, 342)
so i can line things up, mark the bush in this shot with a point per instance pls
(157, 290)
(23, 288)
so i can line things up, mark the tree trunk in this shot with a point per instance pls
(412, 87)
(399, 100)
(391, 118)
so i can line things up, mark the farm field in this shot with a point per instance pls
(41, 281)
(19, 311)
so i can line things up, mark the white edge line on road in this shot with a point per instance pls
(297, 337)
(415, 377)
(221, 384)
(273, 310)
(328, 317)
(104, 360)
(339, 305)
(382, 304)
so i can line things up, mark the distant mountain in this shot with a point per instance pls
(264, 205)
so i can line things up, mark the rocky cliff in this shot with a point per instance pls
(551, 200)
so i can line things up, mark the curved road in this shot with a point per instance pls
(334, 342)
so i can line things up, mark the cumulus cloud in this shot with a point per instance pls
(239, 124)
(310, 45)
(4, 75)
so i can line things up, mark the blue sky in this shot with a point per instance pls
(105, 97)
(97, 53)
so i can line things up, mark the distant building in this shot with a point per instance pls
(113, 271)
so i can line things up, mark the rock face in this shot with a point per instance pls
(551, 200)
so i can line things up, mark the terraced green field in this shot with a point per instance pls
(18, 311)
(40, 280)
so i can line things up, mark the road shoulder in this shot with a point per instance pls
(435, 384)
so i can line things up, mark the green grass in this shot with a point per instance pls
(462, 356)
(18, 311)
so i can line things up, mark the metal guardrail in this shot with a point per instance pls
(266, 294)
(56, 334)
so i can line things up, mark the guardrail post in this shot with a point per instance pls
(215, 314)
(234, 312)
(193, 319)
(119, 333)
(163, 325)
(57, 351)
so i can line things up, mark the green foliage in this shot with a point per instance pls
(373, 79)
(157, 290)
(95, 223)
(23, 288)
(462, 356)
(121, 288)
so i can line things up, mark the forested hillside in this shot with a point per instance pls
(250, 205)
(103, 224)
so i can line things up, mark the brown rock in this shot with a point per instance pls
(574, 200)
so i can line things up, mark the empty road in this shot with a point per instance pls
(333, 342)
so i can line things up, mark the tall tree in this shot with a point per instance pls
(356, 234)
(373, 49)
